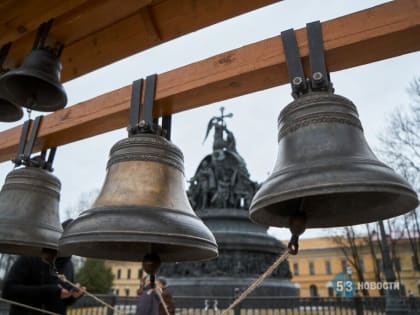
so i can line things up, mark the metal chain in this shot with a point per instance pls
(27, 306)
(64, 279)
(257, 282)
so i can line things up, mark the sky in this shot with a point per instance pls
(376, 89)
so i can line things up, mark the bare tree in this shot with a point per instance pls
(85, 201)
(400, 143)
(373, 253)
(400, 148)
(351, 244)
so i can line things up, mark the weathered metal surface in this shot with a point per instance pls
(326, 171)
(29, 213)
(142, 208)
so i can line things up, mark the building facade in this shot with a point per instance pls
(321, 267)
(127, 277)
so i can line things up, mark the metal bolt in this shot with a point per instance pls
(317, 76)
(297, 81)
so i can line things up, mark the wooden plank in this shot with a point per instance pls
(79, 22)
(22, 17)
(377, 33)
(101, 32)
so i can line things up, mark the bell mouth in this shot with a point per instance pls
(336, 209)
(127, 233)
(333, 196)
(38, 93)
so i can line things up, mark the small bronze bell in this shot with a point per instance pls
(142, 208)
(36, 83)
(29, 199)
(29, 215)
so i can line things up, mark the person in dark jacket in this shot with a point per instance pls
(162, 285)
(148, 302)
(33, 281)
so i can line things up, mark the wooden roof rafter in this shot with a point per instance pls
(381, 32)
(96, 33)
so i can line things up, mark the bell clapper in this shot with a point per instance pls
(297, 227)
(151, 263)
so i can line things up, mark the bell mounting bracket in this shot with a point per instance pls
(141, 114)
(319, 79)
(3, 55)
(23, 155)
(41, 38)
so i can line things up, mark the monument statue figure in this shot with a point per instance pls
(220, 192)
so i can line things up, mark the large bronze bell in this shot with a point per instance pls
(36, 83)
(142, 208)
(325, 170)
(29, 215)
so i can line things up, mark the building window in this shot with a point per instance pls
(140, 273)
(397, 263)
(119, 274)
(313, 290)
(117, 291)
(128, 273)
(311, 268)
(330, 291)
(344, 265)
(328, 267)
(127, 291)
(295, 269)
(415, 263)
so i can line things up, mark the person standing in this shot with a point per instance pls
(148, 302)
(33, 281)
(162, 285)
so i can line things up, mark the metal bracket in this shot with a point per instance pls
(294, 64)
(167, 126)
(41, 38)
(136, 92)
(141, 114)
(320, 77)
(3, 55)
(23, 155)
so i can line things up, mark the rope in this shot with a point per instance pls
(64, 279)
(162, 301)
(257, 282)
(27, 306)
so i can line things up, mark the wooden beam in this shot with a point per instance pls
(377, 33)
(98, 32)
(23, 17)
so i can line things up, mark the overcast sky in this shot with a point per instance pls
(376, 89)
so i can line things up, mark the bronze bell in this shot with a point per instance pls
(29, 215)
(325, 170)
(8, 111)
(142, 208)
(36, 83)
